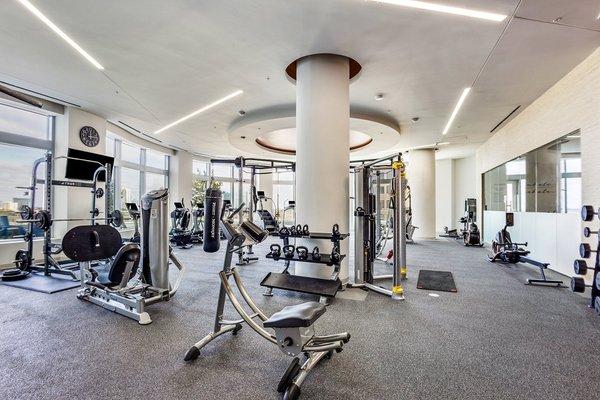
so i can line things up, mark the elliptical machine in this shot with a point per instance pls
(134, 213)
(507, 252)
(198, 218)
(470, 232)
(180, 234)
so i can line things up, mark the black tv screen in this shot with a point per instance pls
(84, 170)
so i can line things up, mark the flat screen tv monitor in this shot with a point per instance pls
(79, 168)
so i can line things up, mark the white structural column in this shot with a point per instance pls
(421, 179)
(322, 152)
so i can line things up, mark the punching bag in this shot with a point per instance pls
(212, 216)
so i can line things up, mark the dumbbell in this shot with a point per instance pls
(302, 252)
(587, 232)
(585, 251)
(587, 213)
(275, 251)
(580, 267)
(578, 285)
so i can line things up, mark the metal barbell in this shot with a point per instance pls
(43, 219)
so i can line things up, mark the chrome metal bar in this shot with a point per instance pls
(246, 296)
(240, 309)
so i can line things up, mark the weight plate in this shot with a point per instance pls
(587, 231)
(43, 220)
(598, 282)
(99, 193)
(25, 212)
(116, 219)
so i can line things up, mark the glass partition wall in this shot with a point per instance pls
(545, 180)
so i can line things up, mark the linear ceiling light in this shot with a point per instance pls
(201, 110)
(461, 100)
(422, 5)
(60, 33)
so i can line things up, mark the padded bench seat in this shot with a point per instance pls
(300, 315)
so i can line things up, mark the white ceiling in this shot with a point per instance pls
(164, 60)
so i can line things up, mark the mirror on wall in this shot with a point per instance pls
(547, 179)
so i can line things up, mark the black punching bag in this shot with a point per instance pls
(212, 216)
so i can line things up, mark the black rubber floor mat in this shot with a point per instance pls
(442, 281)
(44, 284)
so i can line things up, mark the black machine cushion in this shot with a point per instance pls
(91, 242)
(300, 315)
(114, 275)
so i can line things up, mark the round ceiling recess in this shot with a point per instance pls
(284, 140)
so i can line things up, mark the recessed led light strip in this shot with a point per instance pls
(201, 110)
(422, 5)
(60, 33)
(461, 100)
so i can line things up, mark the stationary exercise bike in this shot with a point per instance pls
(508, 252)
(293, 331)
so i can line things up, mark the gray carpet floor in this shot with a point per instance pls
(494, 339)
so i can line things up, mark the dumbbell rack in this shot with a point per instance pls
(580, 266)
(303, 284)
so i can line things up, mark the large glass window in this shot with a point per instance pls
(130, 153)
(547, 179)
(26, 123)
(130, 186)
(137, 170)
(156, 159)
(17, 154)
(155, 181)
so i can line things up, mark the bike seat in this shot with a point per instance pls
(300, 315)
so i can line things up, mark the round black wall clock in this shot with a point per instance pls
(89, 136)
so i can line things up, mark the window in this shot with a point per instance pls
(156, 160)
(137, 170)
(130, 186)
(25, 123)
(130, 153)
(154, 181)
(24, 138)
(201, 168)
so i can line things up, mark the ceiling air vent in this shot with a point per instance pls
(140, 132)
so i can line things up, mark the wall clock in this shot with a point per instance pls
(89, 136)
